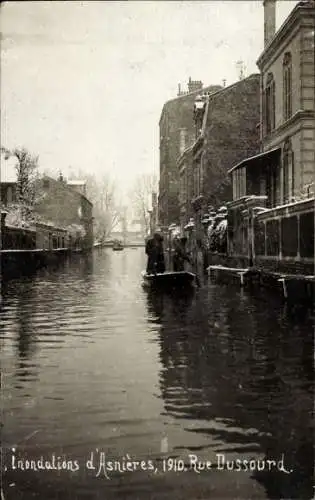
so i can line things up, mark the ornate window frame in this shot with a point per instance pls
(270, 104)
(288, 172)
(287, 85)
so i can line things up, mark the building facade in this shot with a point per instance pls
(66, 207)
(271, 218)
(62, 213)
(226, 128)
(177, 132)
(288, 102)
(287, 124)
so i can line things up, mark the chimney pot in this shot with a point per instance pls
(194, 85)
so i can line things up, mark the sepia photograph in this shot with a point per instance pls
(157, 268)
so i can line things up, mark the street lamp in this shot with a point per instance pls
(199, 109)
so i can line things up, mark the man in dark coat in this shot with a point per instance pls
(155, 253)
(160, 260)
(150, 252)
(180, 255)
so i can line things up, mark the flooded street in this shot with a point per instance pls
(92, 363)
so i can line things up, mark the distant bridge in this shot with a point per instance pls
(129, 238)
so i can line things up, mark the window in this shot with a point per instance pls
(243, 181)
(202, 173)
(237, 192)
(197, 179)
(288, 172)
(181, 191)
(270, 104)
(234, 185)
(9, 195)
(182, 140)
(239, 183)
(287, 86)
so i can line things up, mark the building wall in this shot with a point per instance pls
(64, 206)
(16, 238)
(284, 239)
(177, 132)
(8, 192)
(50, 237)
(274, 65)
(306, 65)
(231, 134)
(296, 37)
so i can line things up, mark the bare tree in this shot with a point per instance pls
(27, 186)
(102, 192)
(107, 211)
(27, 176)
(141, 197)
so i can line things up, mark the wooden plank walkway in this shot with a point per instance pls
(235, 272)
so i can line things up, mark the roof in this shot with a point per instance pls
(254, 159)
(65, 186)
(190, 97)
(285, 29)
(209, 106)
(224, 90)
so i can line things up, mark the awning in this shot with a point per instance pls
(272, 153)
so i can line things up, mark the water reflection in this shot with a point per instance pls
(243, 374)
(92, 360)
(24, 314)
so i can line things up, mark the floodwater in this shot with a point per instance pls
(109, 391)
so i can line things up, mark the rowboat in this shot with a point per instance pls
(117, 246)
(169, 280)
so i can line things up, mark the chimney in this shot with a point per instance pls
(194, 85)
(269, 21)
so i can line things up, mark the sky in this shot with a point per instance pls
(83, 83)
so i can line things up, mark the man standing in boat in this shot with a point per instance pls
(180, 255)
(155, 253)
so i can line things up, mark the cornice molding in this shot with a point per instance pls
(285, 31)
(302, 114)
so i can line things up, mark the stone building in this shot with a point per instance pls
(272, 213)
(177, 132)
(226, 127)
(65, 206)
(286, 172)
(61, 215)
